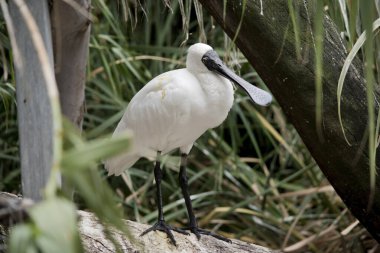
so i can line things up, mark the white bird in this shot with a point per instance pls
(172, 111)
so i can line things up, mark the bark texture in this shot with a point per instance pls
(267, 40)
(13, 210)
(71, 34)
(94, 241)
(35, 122)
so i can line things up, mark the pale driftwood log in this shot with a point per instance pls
(13, 209)
(94, 240)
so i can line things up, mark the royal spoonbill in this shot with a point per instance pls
(172, 111)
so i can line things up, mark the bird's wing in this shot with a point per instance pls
(116, 165)
(159, 112)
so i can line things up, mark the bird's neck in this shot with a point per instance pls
(217, 89)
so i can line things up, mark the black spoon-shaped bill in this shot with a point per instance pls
(212, 61)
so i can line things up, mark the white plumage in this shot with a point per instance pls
(173, 110)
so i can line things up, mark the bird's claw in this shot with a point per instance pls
(162, 226)
(198, 232)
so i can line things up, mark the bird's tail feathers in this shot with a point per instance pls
(116, 165)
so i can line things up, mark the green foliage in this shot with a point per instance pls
(9, 158)
(318, 44)
(228, 166)
(364, 16)
(53, 228)
(79, 172)
(78, 168)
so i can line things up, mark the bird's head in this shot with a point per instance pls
(194, 57)
(201, 58)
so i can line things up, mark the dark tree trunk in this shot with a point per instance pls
(36, 125)
(268, 42)
(71, 34)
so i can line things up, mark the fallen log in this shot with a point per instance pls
(13, 210)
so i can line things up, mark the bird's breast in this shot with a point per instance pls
(176, 108)
(219, 96)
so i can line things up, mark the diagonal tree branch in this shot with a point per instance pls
(268, 42)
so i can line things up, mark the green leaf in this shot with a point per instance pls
(21, 239)
(347, 63)
(56, 222)
(82, 156)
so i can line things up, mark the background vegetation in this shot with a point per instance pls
(229, 167)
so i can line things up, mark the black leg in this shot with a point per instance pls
(158, 178)
(193, 226)
(160, 224)
(185, 192)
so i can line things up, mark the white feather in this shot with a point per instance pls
(173, 110)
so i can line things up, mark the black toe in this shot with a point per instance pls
(162, 226)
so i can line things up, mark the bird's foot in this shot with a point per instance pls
(198, 232)
(162, 226)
